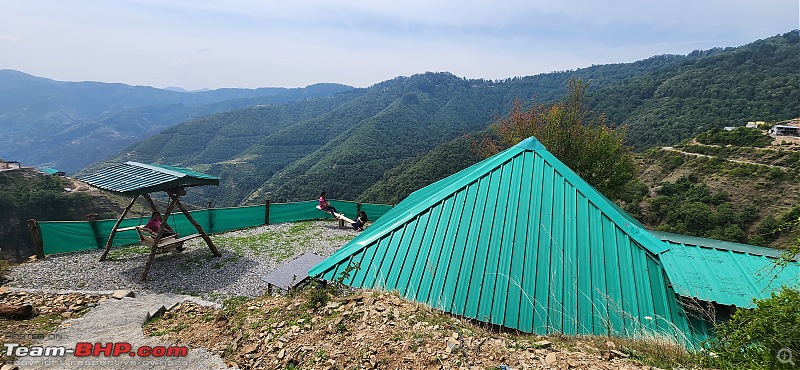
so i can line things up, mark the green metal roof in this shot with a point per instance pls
(724, 272)
(518, 240)
(50, 171)
(133, 178)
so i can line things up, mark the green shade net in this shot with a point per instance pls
(71, 236)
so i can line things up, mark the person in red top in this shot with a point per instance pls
(325, 205)
(155, 223)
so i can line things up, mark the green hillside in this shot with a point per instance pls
(69, 125)
(422, 170)
(723, 87)
(28, 194)
(351, 144)
(347, 142)
(743, 193)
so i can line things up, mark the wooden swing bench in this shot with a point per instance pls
(166, 244)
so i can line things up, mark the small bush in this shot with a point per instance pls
(754, 339)
(316, 296)
(4, 268)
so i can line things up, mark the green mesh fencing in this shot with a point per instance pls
(71, 236)
(226, 219)
(375, 211)
(290, 212)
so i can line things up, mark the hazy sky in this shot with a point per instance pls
(258, 43)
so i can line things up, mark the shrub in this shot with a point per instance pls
(754, 339)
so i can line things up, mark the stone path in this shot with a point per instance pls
(120, 321)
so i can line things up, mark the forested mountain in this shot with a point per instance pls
(28, 194)
(348, 143)
(667, 103)
(712, 89)
(69, 125)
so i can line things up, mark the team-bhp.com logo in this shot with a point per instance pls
(85, 349)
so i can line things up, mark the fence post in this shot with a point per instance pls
(266, 213)
(210, 218)
(358, 209)
(36, 235)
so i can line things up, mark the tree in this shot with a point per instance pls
(587, 145)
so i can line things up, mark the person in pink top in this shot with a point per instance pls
(155, 223)
(325, 205)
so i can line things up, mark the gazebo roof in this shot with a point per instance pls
(132, 179)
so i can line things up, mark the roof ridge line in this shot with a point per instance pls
(156, 168)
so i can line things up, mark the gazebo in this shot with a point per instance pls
(134, 179)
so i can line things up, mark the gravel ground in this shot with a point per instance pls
(118, 321)
(247, 255)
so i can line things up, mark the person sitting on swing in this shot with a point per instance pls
(155, 223)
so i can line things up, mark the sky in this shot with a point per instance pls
(198, 44)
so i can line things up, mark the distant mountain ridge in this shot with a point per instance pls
(351, 143)
(69, 125)
(346, 143)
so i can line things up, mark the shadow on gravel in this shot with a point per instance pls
(194, 271)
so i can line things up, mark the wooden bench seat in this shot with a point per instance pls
(339, 216)
(165, 244)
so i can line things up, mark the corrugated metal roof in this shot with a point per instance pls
(724, 272)
(50, 171)
(518, 240)
(134, 178)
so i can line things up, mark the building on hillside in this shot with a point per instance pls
(53, 171)
(520, 240)
(9, 165)
(752, 124)
(784, 130)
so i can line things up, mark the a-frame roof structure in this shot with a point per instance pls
(132, 179)
(521, 241)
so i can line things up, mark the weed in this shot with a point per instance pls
(256, 324)
(341, 327)
(4, 268)
(127, 252)
(316, 297)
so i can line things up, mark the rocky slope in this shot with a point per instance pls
(373, 330)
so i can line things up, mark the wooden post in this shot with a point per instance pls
(210, 217)
(266, 213)
(156, 240)
(114, 229)
(176, 200)
(150, 202)
(36, 235)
